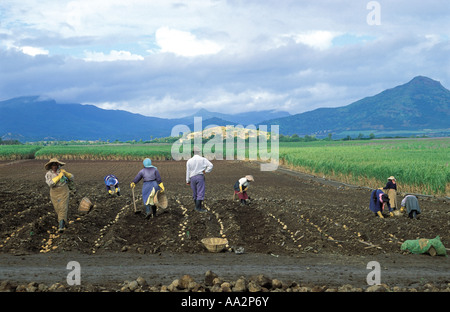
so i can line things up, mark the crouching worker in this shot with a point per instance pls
(241, 187)
(411, 204)
(112, 184)
(57, 179)
(152, 184)
(378, 203)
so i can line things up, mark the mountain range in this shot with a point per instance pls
(420, 105)
(33, 118)
(415, 107)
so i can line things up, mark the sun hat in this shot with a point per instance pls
(249, 178)
(51, 161)
(391, 178)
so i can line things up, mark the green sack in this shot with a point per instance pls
(420, 246)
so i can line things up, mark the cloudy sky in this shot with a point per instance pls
(170, 58)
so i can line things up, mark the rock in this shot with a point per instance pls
(217, 280)
(240, 285)
(58, 287)
(276, 284)
(254, 287)
(184, 281)
(32, 287)
(133, 285)
(209, 278)
(194, 286)
(377, 288)
(141, 281)
(216, 288)
(226, 287)
(263, 281)
(345, 288)
(318, 289)
(42, 287)
(7, 286)
(174, 285)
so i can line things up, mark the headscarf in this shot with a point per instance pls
(148, 163)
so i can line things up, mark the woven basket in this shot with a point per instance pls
(214, 244)
(160, 200)
(85, 205)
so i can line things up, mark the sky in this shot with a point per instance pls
(169, 59)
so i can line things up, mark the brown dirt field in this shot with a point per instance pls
(297, 227)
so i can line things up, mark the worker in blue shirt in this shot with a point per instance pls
(112, 184)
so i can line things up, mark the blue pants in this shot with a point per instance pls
(198, 187)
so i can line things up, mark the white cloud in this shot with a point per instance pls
(33, 51)
(317, 39)
(296, 55)
(184, 43)
(112, 56)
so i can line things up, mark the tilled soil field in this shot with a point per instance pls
(298, 228)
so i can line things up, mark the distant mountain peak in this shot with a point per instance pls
(203, 110)
(424, 81)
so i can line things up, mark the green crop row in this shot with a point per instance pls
(418, 165)
(105, 152)
(16, 152)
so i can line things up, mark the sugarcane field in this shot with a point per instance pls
(296, 232)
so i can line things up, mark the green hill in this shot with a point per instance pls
(418, 105)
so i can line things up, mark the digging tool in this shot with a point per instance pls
(134, 202)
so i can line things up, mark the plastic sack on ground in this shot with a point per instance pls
(420, 246)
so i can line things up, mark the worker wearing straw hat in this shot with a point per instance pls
(152, 184)
(391, 190)
(57, 179)
(241, 187)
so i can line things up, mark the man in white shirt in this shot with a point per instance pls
(196, 167)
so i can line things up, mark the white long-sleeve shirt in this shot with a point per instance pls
(244, 182)
(196, 165)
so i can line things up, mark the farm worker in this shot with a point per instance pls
(411, 204)
(378, 202)
(241, 187)
(391, 190)
(196, 167)
(57, 179)
(112, 184)
(152, 184)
